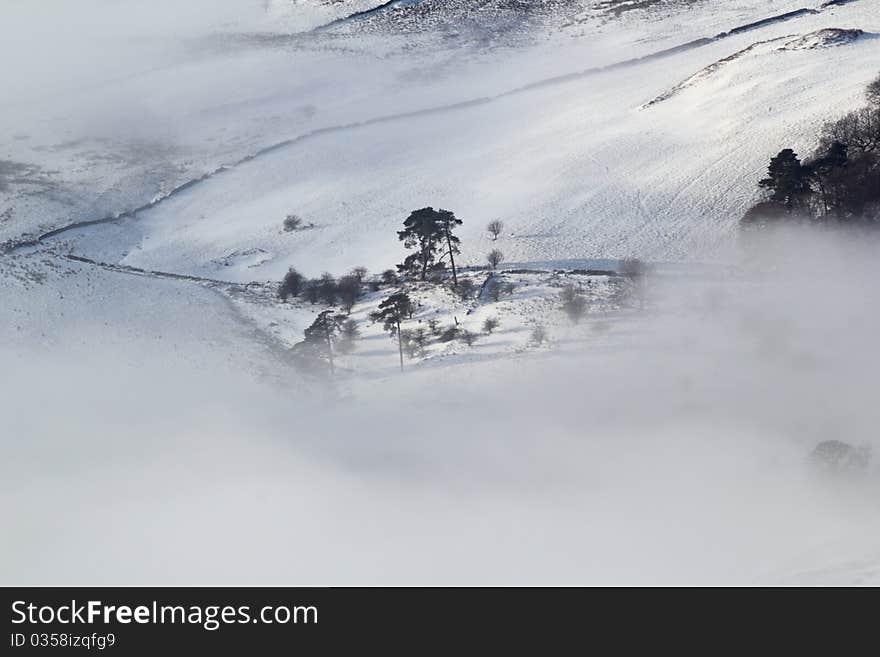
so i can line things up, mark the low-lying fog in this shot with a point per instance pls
(668, 447)
(57, 44)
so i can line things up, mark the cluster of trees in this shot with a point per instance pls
(399, 307)
(326, 289)
(392, 312)
(839, 181)
(430, 234)
(494, 258)
(332, 332)
(329, 334)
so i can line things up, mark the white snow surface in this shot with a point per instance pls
(579, 168)
(155, 432)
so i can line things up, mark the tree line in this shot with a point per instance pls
(839, 181)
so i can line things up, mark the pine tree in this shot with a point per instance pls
(349, 289)
(328, 290)
(494, 258)
(448, 221)
(494, 228)
(787, 179)
(392, 311)
(321, 335)
(829, 173)
(424, 232)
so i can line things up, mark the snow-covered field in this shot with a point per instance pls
(156, 431)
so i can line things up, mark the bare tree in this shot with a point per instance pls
(328, 289)
(349, 290)
(468, 337)
(292, 284)
(494, 289)
(491, 324)
(495, 228)
(420, 337)
(494, 258)
(539, 336)
(415, 341)
(311, 291)
(292, 222)
(466, 288)
(348, 335)
(406, 342)
(573, 303)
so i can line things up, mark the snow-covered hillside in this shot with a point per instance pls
(581, 166)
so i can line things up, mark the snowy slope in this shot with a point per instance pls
(578, 168)
(182, 95)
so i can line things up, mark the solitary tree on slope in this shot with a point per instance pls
(495, 228)
(448, 221)
(573, 303)
(392, 311)
(494, 258)
(322, 333)
(428, 231)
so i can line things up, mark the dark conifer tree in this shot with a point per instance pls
(448, 221)
(321, 334)
(392, 311)
(829, 173)
(787, 179)
(423, 232)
